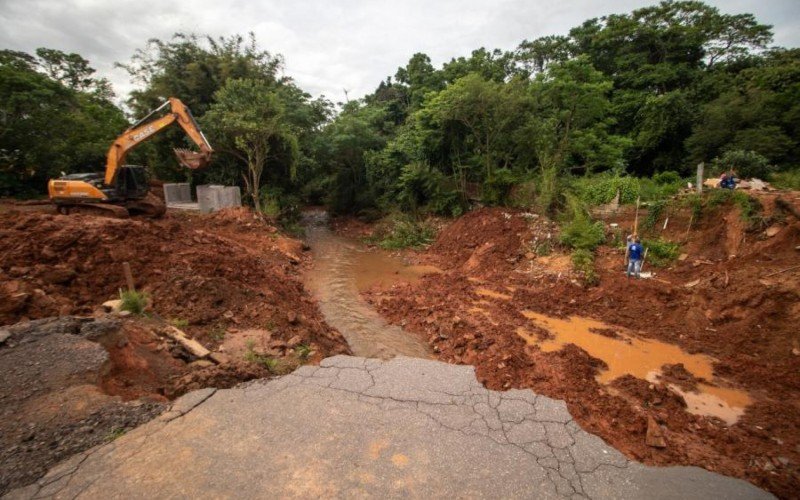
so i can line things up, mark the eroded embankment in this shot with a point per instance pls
(710, 326)
(230, 280)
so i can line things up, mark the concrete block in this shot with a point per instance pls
(213, 197)
(177, 193)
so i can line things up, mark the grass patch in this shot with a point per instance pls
(273, 365)
(217, 333)
(786, 180)
(179, 323)
(116, 433)
(661, 253)
(133, 301)
(303, 351)
(749, 207)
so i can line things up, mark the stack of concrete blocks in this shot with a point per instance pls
(177, 194)
(212, 197)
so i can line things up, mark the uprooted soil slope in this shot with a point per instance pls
(736, 312)
(227, 270)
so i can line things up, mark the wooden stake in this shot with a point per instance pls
(126, 268)
(636, 219)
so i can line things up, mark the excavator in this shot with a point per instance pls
(124, 189)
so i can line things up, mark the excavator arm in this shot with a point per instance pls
(144, 129)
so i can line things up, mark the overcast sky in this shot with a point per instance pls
(329, 45)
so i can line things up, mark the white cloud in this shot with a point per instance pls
(329, 45)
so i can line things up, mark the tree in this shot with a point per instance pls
(248, 121)
(48, 127)
(569, 124)
(488, 110)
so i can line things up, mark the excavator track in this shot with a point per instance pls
(101, 209)
(150, 206)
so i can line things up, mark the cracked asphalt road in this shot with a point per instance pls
(356, 427)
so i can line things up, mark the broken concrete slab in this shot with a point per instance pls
(356, 427)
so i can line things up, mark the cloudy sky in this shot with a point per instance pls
(329, 45)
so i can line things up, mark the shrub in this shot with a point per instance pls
(654, 211)
(497, 188)
(583, 262)
(660, 252)
(406, 232)
(600, 189)
(746, 164)
(133, 301)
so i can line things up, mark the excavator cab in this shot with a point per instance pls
(132, 182)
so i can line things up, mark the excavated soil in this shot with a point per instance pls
(734, 298)
(74, 376)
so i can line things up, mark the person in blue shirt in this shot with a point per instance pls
(728, 180)
(635, 251)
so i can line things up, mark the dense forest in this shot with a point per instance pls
(627, 102)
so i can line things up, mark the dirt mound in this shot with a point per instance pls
(212, 272)
(735, 298)
(490, 240)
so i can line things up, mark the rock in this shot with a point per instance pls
(294, 341)
(4, 334)
(201, 363)
(772, 231)
(124, 314)
(99, 328)
(683, 257)
(692, 284)
(113, 305)
(58, 275)
(655, 436)
(291, 316)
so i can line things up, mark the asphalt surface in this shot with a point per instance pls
(357, 427)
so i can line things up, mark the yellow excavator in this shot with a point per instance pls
(124, 189)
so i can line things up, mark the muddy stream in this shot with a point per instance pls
(342, 268)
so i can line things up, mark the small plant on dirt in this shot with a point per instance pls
(580, 232)
(133, 301)
(749, 207)
(303, 351)
(217, 333)
(583, 263)
(653, 214)
(544, 248)
(116, 433)
(179, 322)
(661, 253)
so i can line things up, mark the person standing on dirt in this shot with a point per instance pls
(635, 250)
(728, 180)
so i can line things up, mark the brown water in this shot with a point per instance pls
(342, 267)
(642, 358)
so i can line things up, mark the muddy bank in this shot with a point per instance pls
(504, 309)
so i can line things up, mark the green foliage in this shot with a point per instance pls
(303, 351)
(497, 188)
(248, 120)
(116, 433)
(786, 180)
(179, 322)
(654, 211)
(133, 301)
(601, 189)
(583, 262)
(661, 253)
(746, 164)
(580, 232)
(748, 206)
(406, 232)
(54, 117)
(217, 333)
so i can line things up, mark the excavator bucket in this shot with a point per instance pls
(192, 159)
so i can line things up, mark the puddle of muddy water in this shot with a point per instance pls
(380, 268)
(642, 358)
